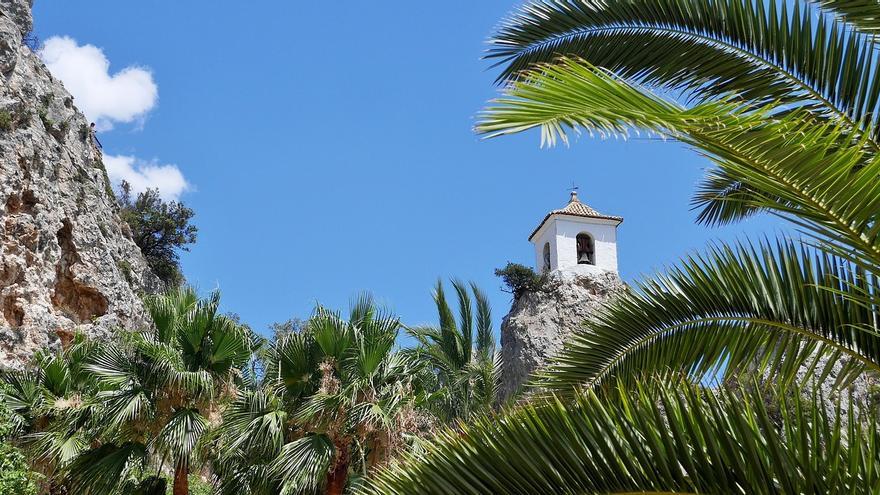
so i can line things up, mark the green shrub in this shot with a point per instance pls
(108, 187)
(5, 120)
(160, 228)
(15, 474)
(196, 486)
(43, 113)
(520, 279)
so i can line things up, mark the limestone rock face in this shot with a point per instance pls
(539, 322)
(66, 262)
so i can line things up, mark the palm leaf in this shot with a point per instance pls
(179, 436)
(466, 320)
(485, 339)
(653, 439)
(810, 172)
(864, 15)
(99, 471)
(770, 309)
(451, 339)
(303, 464)
(760, 50)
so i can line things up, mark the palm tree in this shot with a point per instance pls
(335, 402)
(783, 98)
(159, 391)
(50, 414)
(462, 355)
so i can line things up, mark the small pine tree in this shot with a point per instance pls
(161, 229)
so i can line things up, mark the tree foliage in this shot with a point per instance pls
(100, 418)
(461, 354)
(652, 438)
(520, 279)
(16, 475)
(783, 98)
(161, 229)
(336, 400)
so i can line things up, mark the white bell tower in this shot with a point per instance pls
(576, 238)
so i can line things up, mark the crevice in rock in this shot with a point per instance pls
(21, 204)
(12, 312)
(77, 301)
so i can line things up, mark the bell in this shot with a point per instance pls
(585, 258)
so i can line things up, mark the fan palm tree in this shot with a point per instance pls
(783, 98)
(462, 355)
(152, 397)
(50, 413)
(335, 401)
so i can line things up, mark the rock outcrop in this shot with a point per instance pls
(67, 261)
(539, 322)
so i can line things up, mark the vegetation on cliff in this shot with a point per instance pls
(161, 229)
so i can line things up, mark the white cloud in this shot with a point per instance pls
(143, 175)
(125, 96)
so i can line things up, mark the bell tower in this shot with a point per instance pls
(576, 238)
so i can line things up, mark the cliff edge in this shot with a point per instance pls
(67, 260)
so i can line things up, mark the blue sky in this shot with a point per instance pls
(328, 149)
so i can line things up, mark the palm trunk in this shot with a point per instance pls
(181, 480)
(338, 474)
(378, 451)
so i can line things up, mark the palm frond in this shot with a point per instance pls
(768, 309)
(651, 439)
(179, 436)
(303, 464)
(485, 340)
(465, 319)
(451, 340)
(292, 362)
(256, 423)
(101, 470)
(167, 308)
(864, 15)
(763, 51)
(811, 172)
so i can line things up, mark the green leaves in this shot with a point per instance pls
(744, 309)
(759, 51)
(783, 98)
(303, 464)
(179, 436)
(337, 384)
(651, 438)
(815, 173)
(864, 15)
(460, 354)
(99, 471)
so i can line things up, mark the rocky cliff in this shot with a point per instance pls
(67, 261)
(539, 322)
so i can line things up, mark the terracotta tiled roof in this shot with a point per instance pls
(577, 209)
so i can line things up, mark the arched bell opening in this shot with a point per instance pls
(586, 249)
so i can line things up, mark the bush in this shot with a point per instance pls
(5, 120)
(15, 474)
(520, 279)
(161, 229)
